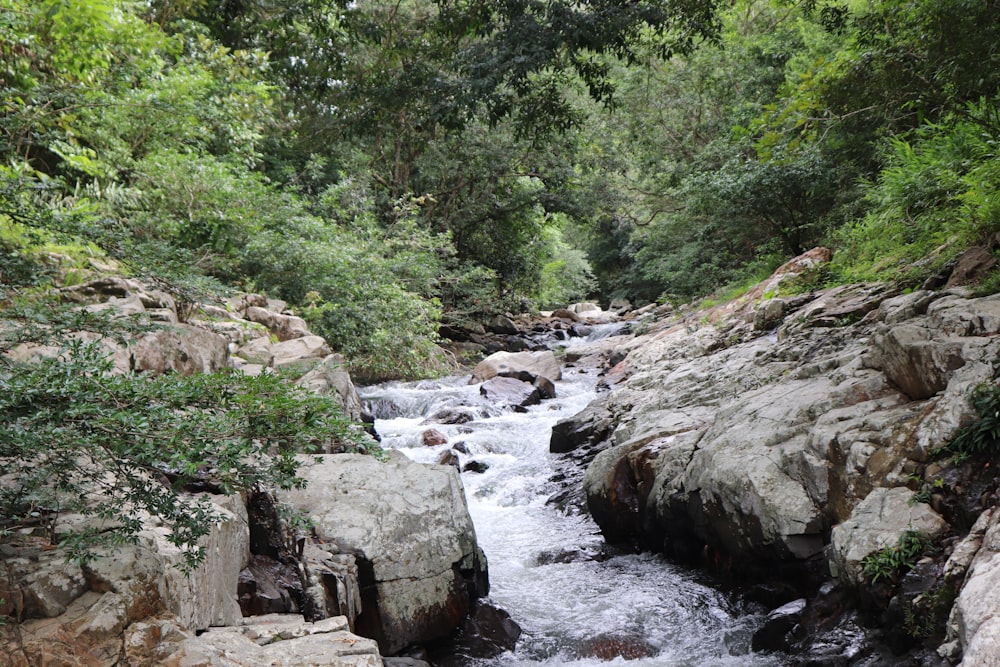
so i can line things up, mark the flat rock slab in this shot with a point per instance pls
(278, 640)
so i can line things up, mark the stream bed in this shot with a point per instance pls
(579, 603)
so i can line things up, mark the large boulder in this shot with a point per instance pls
(786, 433)
(72, 615)
(409, 527)
(510, 392)
(180, 348)
(542, 363)
(330, 378)
(878, 522)
(300, 353)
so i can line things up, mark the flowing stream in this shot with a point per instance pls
(550, 569)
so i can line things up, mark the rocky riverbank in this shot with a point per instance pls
(795, 444)
(390, 560)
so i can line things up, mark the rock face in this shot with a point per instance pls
(877, 522)
(758, 448)
(402, 564)
(88, 609)
(974, 624)
(789, 435)
(409, 527)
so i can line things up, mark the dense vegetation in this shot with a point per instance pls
(387, 167)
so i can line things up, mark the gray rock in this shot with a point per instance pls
(879, 521)
(130, 585)
(769, 315)
(501, 324)
(784, 434)
(278, 641)
(330, 378)
(300, 353)
(974, 622)
(182, 349)
(536, 363)
(915, 359)
(422, 550)
(284, 327)
(511, 392)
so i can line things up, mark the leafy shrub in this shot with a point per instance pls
(75, 437)
(983, 435)
(939, 190)
(890, 562)
(356, 298)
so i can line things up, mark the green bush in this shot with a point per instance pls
(76, 437)
(891, 562)
(937, 195)
(356, 296)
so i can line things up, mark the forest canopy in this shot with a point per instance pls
(389, 167)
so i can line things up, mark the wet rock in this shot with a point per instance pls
(563, 556)
(609, 647)
(383, 408)
(476, 466)
(449, 458)
(545, 386)
(452, 415)
(404, 662)
(511, 392)
(773, 633)
(433, 437)
(536, 363)
(486, 634)
(589, 427)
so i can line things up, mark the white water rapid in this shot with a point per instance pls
(549, 569)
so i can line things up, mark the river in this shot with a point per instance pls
(550, 569)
